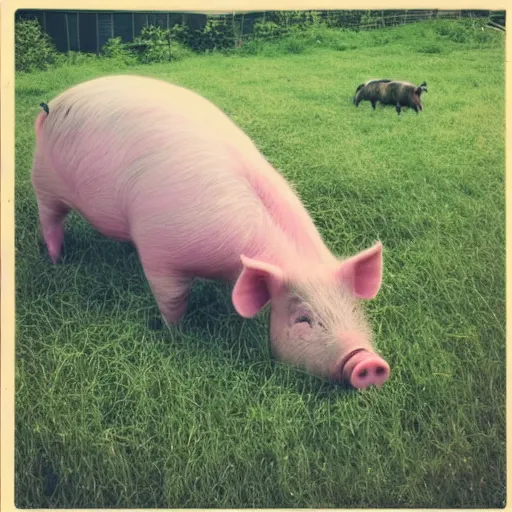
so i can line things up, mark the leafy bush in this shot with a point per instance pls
(268, 30)
(179, 51)
(218, 34)
(180, 33)
(33, 47)
(156, 44)
(153, 44)
(114, 48)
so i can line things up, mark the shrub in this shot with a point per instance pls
(268, 30)
(218, 34)
(180, 33)
(153, 44)
(179, 51)
(156, 44)
(33, 47)
(114, 48)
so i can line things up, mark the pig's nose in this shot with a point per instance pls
(372, 370)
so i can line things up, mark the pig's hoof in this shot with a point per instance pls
(43, 251)
(155, 323)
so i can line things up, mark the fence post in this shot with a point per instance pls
(78, 29)
(97, 34)
(67, 31)
(133, 26)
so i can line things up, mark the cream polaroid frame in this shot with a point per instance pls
(8, 8)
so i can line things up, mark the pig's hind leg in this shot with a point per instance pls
(52, 211)
(52, 215)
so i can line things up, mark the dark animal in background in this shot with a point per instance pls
(391, 92)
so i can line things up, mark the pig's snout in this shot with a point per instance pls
(363, 369)
(372, 370)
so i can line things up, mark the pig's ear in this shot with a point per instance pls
(252, 289)
(363, 272)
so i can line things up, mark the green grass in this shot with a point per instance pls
(113, 413)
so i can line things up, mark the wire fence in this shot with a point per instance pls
(88, 31)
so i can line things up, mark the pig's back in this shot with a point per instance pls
(118, 130)
(150, 160)
(111, 101)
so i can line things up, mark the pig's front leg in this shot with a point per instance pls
(170, 288)
(171, 292)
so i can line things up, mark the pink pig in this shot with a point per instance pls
(158, 165)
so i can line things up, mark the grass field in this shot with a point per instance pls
(112, 412)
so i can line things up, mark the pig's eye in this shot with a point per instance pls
(304, 318)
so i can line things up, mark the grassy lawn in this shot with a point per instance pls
(113, 412)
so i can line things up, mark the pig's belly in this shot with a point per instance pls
(192, 254)
(107, 221)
